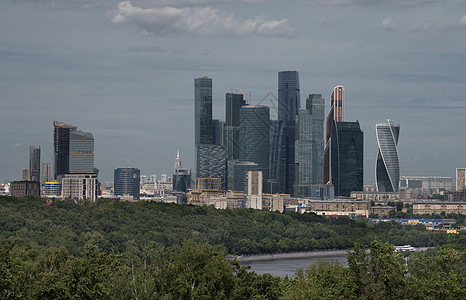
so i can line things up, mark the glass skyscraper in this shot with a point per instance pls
(233, 103)
(387, 165)
(310, 145)
(254, 137)
(288, 106)
(61, 143)
(34, 163)
(203, 110)
(81, 152)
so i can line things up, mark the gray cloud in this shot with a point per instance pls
(206, 20)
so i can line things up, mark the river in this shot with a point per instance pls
(287, 264)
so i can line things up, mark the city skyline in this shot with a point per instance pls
(133, 91)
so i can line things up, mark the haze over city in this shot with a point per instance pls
(125, 70)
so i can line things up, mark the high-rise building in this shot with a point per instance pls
(46, 175)
(277, 180)
(310, 145)
(335, 115)
(26, 175)
(346, 157)
(288, 105)
(203, 110)
(233, 103)
(61, 143)
(79, 186)
(126, 182)
(211, 162)
(34, 163)
(253, 186)
(387, 165)
(181, 176)
(254, 137)
(73, 150)
(460, 179)
(236, 172)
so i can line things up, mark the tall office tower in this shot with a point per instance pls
(236, 172)
(73, 150)
(254, 137)
(34, 163)
(81, 152)
(387, 165)
(46, 175)
(203, 110)
(288, 105)
(460, 179)
(335, 115)
(61, 143)
(217, 131)
(181, 176)
(277, 181)
(126, 182)
(233, 103)
(310, 146)
(346, 157)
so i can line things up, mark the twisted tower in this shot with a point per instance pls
(387, 165)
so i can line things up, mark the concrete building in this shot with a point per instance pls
(435, 207)
(46, 174)
(79, 186)
(52, 188)
(236, 172)
(460, 179)
(24, 188)
(351, 208)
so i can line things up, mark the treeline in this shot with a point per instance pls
(119, 227)
(194, 271)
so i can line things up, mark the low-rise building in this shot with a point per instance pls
(24, 188)
(437, 207)
(79, 186)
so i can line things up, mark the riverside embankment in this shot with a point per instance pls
(292, 255)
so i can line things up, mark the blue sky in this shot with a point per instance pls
(124, 70)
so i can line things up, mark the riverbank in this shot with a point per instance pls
(293, 255)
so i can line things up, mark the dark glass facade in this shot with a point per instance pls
(254, 137)
(236, 174)
(203, 110)
(34, 163)
(81, 152)
(346, 157)
(387, 168)
(126, 182)
(211, 162)
(61, 144)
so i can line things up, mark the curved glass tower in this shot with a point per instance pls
(387, 165)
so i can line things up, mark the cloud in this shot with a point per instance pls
(389, 24)
(206, 20)
(462, 22)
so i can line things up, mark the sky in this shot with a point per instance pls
(124, 70)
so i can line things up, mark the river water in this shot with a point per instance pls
(288, 266)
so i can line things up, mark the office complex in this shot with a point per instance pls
(284, 132)
(236, 172)
(181, 176)
(24, 188)
(254, 137)
(126, 182)
(211, 162)
(387, 165)
(460, 179)
(335, 115)
(34, 163)
(73, 150)
(310, 146)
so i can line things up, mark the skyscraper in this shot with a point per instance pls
(61, 143)
(34, 163)
(310, 145)
(460, 179)
(126, 182)
(203, 110)
(254, 137)
(233, 103)
(288, 105)
(346, 158)
(211, 162)
(46, 174)
(344, 149)
(387, 165)
(73, 150)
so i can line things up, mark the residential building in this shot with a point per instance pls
(126, 182)
(34, 163)
(79, 186)
(387, 165)
(26, 174)
(437, 207)
(211, 162)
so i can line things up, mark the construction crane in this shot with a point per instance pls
(249, 93)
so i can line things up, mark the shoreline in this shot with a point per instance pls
(292, 255)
